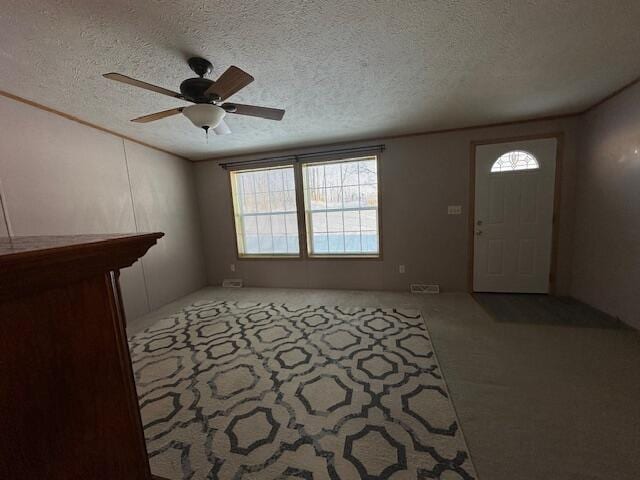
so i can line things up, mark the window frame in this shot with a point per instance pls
(264, 256)
(303, 249)
(307, 220)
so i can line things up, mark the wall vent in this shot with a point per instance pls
(424, 288)
(232, 283)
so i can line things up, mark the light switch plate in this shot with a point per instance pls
(454, 209)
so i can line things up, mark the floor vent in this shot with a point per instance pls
(232, 283)
(424, 288)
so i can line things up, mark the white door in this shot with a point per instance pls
(514, 194)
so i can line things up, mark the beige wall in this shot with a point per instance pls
(420, 176)
(61, 177)
(606, 267)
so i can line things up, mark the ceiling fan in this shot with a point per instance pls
(208, 96)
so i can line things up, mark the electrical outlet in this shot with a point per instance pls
(232, 267)
(401, 268)
(454, 209)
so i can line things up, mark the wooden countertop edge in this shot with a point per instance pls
(25, 271)
(92, 245)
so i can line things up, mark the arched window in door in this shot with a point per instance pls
(514, 161)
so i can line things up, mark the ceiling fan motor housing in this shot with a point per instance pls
(194, 89)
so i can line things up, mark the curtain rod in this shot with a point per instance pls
(302, 156)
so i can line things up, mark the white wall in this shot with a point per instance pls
(606, 266)
(62, 177)
(420, 176)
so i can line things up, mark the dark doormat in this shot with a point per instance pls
(544, 310)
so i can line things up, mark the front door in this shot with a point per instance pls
(514, 195)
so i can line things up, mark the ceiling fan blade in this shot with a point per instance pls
(252, 110)
(222, 129)
(157, 116)
(230, 82)
(138, 83)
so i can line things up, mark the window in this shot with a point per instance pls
(340, 203)
(341, 207)
(264, 205)
(515, 160)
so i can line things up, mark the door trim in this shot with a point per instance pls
(559, 136)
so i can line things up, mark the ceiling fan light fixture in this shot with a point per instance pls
(204, 115)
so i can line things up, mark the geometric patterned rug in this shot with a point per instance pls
(233, 390)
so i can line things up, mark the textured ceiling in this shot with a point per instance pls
(343, 70)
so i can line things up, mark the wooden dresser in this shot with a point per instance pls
(68, 405)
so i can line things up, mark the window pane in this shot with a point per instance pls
(277, 201)
(369, 241)
(252, 245)
(332, 174)
(349, 174)
(369, 196)
(319, 222)
(341, 201)
(261, 181)
(262, 203)
(247, 185)
(334, 222)
(368, 171)
(334, 197)
(265, 211)
(317, 198)
(278, 224)
(290, 200)
(250, 225)
(515, 160)
(351, 197)
(275, 181)
(292, 243)
(336, 243)
(352, 221)
(368, 220)
(315, 176)
(352, 242)
(288, 179)
(248, 203)
(280, 243)
(291, 222)
(266, 243)
(320, 243)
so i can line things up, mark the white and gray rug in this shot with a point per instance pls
(261, 391)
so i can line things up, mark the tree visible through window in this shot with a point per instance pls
(341, 207)
(264, 204)
(515, 160)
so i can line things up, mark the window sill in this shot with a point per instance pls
(310, 257)
(345, 257)
(269, 257)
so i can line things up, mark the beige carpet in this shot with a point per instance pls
(237, 390)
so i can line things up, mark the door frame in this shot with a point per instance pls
(559, 136)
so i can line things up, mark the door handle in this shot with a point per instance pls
(479, 222)
(479, 232)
